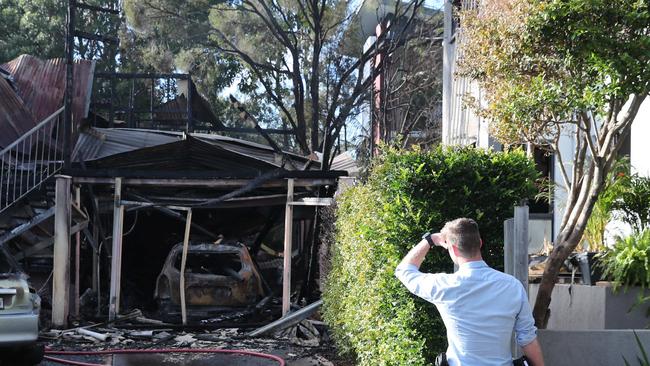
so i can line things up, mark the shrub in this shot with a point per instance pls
(616, 184)
(372, 316)
(627, 263)
(634, 201)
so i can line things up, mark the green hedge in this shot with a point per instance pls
(371, 315)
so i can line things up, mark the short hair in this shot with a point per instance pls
(463, 234)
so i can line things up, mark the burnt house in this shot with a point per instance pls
(139, 181)
(107, 223)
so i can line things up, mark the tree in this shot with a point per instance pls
(35, 27)
(171, 36)
(297, 56)
(38, 28)
(548, 68)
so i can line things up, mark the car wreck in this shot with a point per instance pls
(217, 277)
(19, 311)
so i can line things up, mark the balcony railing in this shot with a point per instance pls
(30, 160)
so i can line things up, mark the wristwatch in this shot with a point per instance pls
(427, 237)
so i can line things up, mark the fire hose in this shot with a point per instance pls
(50, 352)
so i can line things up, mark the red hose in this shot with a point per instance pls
(164, 350)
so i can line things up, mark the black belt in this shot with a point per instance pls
(441, 360)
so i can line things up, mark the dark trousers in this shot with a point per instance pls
(441, 360)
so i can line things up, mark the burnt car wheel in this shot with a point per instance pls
(166, 311)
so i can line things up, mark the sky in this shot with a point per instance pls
(437, 4)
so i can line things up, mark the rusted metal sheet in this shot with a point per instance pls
(40, 86)
(15, 118)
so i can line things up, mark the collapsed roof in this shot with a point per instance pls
(149, 151)
(32, 89)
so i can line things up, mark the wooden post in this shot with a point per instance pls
(186, 240)
(61, 271)
(188, 98)
(520, 252)
(96, 253)
(116, 259)
(69, 86)
(77, 256)
(288, 246)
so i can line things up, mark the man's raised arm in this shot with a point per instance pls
(408, 270)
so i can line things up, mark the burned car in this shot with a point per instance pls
(19, 311)
(217, 276)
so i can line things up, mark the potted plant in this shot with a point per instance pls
(628, 262)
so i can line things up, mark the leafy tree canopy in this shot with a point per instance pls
(35, 27)
(543, 62)
(298, 57)
(552, 67)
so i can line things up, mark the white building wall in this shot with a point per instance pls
(460, 125)
(567, 145)
(640, 146)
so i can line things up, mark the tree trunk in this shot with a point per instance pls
(569, 238)
(541, 311)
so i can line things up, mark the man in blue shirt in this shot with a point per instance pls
(479, 305)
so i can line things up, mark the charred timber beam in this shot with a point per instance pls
(47, 242)
(97, 37)
(208, 183)
(125, 75)
(271, 131)
(128, 173)
(36, 220)
(176, 215)
(249, 201)
(69, 83)
(247, 116)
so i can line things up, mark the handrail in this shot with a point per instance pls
(28, 133)
(27, 162)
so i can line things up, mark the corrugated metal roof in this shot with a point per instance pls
(15, 119)
(345, 161)
(98, 143)
(40, 84)
(181, 157)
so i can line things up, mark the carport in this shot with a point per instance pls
(176, 174)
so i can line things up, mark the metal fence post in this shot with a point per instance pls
(508, 246)
(520, 252)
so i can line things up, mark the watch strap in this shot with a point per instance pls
(427, 237)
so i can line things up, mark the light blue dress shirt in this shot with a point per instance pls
(480, 307)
